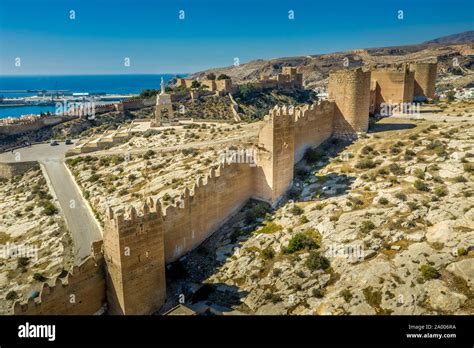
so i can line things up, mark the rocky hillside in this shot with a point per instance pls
(464, 37)
(316, 68)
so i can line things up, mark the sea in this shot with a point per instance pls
(103, 84)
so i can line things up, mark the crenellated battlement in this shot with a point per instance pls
(123, 222)
(81, 291)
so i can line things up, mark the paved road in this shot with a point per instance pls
(35, 152)
(79, 219)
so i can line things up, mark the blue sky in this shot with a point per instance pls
(212, 34)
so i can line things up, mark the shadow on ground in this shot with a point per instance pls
(384, 127)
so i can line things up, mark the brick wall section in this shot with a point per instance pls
(134, 256)
(350, 90)
(81, 292)
(425, 79)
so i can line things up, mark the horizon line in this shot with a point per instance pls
(90, 74)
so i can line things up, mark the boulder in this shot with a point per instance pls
(464, 269)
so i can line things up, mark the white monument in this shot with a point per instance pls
(164, 108)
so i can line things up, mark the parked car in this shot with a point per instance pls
(68, 142)
(53, 143)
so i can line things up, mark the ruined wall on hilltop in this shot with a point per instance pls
(424, 79)
(350, 90)
(313, 125)
(134, 258)
(206, 207)
(80, 292)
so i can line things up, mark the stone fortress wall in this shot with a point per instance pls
(222, 86)
(80, 292)
(288, 79)
(137, 246)
(9, 170)
(134, 256)
(26, 124)
(397, 84)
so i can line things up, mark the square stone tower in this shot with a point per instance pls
(276, 156)
(425, 79)
(350, 90)
(135, 261)
(393, 85)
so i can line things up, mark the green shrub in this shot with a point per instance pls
(412, 205)
(365, 163)
(309, 239)
(267, 253)
(409, 154)
(401, 196)
(468, 167)
(258, 210)
(296, 210)
(149, 154)
(366, 226)
(39, 277)
(94, 177)
(11, 296)
(460, 179)
(440, 191)
(383, 200)
(440, 151)
(22, 262)
(366, 150)
(303, 219)
(461, 252)
(395, 150)
(277, 271)
(429, 272)
(318, 293)
(420, 185)
(396, 169)
(270, 227)
(274, 298)
(48, 207)
(316, 261)
(419, 173)
(346, 295)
